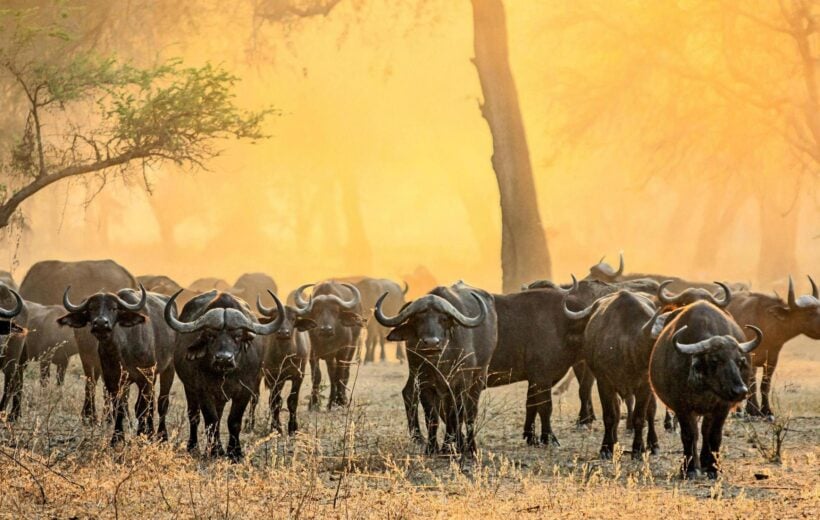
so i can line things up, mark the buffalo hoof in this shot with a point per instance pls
(276, 427)
(217, 451)
(711, 473)
(654, 449)
(293, 427)
(691, 474)
(530, 438)
(549, 439)
(162, 435)
(431, 449)
(606, 454)
(191, 447)
(235, 455)
(418, 438)
(117, 439)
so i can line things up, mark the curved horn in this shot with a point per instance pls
(579, 315)
(18, 307)
(814, 291)
(727, 295)
(692, 349)
(464, 320)
(134, 306)
(620, 270)
(298, 299)
(574, 285)
(392, 321)
(70, 307)
(357, 297)
(174, 323)
(664, 297)
(791, 300)
(649, 329)
(752, 344)
(265, 311)
(269, 328)
(406, 288)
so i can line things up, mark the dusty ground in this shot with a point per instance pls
(54, 467)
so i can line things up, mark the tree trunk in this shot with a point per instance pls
(359, 252)
(524, 253)
(719, 213)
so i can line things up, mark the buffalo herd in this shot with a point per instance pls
(641, 337)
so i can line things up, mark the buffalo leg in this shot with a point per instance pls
(652, 434)
(144, 407)
(585, 380)
(89, 412)
(630, 408)
(62, 366)
(689, 438)
(668, 421)
(212, 414)
(544, 397)
(316, 381)
(401, 354)
(766, 386)
(275, 404)
(712, 430)
(370, 348)
(640, 410)
(193, 417)
(235, 426)
(611, 410)
(410, 395)
(529, 419)
(431, 407)
(113, 377)
(293, 404)
(166, 380)
(752, 406)
(332, 376)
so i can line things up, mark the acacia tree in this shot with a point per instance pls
(81, 113)
(524, 252)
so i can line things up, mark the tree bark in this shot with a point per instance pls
(524, 252)
(778, 239)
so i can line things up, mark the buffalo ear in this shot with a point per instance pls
(197, 349)
(781, 312)
(75, 320)
(130, 318)
(351, 319)
(401, 333)
(304, 324)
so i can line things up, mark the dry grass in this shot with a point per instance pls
(53, 467)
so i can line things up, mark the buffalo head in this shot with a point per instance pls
(103, 311)
(802, 312)
(330, 312)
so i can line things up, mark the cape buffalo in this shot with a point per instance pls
(780, 321)
(251, 286)
(47, 341)
(135, 346)
(617, 344)
(202, 285)
(339, 321)
(371, 289)
(166, 286)
(12, 337)
(218, 357)
(285, 359)
(45, 282)
(698, 367)
(450, 334)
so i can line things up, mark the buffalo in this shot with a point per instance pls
(46, 341)
(371, 289)
(202, 285)
(166, 286)
(12, 337)
(698, 367)
(780, 321)
(218, 357)
(135, 346)
(339, 321)
(618, 341)
(285, 359)
(251, 286)
(45, 283)
(450, 334)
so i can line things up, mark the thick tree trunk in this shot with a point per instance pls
(359, 252)
(524, 253)
(719, 213)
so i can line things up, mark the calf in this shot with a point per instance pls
(218, 357)
(698, 367)
(134, 346)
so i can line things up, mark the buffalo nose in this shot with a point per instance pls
(101, 323)
(224, 358)
(431, 341)
(741, 390)
(326, 330)
(284, 333)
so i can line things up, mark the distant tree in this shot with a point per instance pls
(524, 250)
(81, 113)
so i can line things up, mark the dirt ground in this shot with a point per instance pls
(360, 463)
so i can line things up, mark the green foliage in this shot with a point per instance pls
(102, 113)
